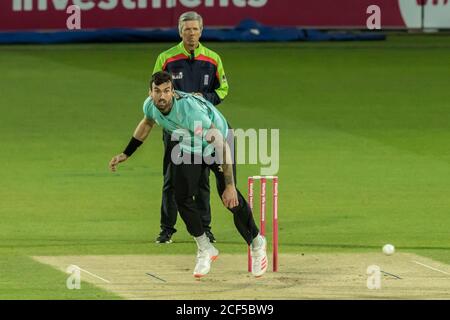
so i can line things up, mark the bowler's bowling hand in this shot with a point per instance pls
(229, 197)
(116, 160)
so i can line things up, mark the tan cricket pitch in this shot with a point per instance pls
(308, 276)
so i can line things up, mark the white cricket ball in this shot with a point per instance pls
(388, 249)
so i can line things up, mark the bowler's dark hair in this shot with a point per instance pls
(161, 77)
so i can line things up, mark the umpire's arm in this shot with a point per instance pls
(221, 85)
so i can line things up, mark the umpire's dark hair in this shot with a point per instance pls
(161, 77)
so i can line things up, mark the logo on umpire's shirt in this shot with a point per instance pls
(177, 76)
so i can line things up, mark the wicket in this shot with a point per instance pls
(263, 215)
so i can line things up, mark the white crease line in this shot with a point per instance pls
(94, 275)
(431, 268)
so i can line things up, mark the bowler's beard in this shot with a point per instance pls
(164, 106)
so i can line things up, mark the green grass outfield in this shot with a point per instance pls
(364, 151)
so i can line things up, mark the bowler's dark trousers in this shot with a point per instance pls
(168, 205)
(187, 188)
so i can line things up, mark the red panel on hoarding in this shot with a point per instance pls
(51, 14)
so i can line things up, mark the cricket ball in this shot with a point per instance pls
(388, 249)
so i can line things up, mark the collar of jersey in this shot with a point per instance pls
(197, 50)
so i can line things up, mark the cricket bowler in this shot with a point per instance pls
(203, 129)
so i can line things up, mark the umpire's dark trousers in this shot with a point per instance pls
(168, 205)
(187, 188)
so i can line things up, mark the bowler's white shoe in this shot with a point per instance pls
(204, 260)
(259, 258)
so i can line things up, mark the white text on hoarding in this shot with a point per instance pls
(61, 5)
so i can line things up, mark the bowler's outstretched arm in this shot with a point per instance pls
(140, 134)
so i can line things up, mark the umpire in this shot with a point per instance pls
(199, 70)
